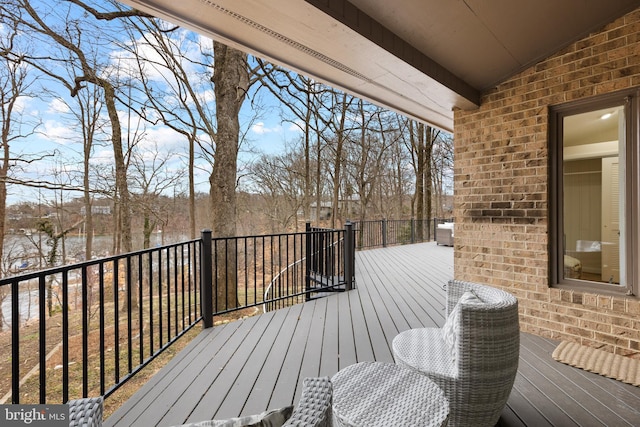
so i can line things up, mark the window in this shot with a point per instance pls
(594, 194)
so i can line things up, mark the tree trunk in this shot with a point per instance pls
(307, 163)
(88, 217)
(428, 151)
(4, 172)
(418, 144)
(341, 136)
(122, 188)
(231, 81)
(192, 189)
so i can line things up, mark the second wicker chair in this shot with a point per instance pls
(474, 359)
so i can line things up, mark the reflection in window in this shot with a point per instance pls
(593, 177)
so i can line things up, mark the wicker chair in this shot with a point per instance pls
(314, 408)
(476, 375)
(85, 412)
(444, 234)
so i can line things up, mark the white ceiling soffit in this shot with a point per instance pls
(422, 58)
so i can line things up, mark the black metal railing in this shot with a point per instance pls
(273, 271)
(384, 232)
(85, 329)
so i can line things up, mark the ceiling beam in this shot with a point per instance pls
(354, 18)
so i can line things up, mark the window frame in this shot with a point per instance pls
(630, 100)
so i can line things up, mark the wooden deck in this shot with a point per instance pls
(248, 366)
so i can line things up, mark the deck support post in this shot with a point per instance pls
(413, 230)
(349, 255)
(206, 279)
(384, 233)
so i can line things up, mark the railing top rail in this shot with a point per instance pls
(295, 233)
(76, 266)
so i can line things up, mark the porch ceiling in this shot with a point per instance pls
(423, 58)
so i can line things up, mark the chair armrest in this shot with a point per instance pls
(85, 412)
(314, 408)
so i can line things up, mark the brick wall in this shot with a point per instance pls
(501, 184)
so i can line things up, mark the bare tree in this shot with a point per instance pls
(280, 179)
(400, 180)
(421, 141)
(49, 252)
(303, 99)
(88, 114)
(72, 40)
(231, 84)
(442, 166)
(175, 88)
(342, 129)
(15, 83)
(153, 176)
(369, 155)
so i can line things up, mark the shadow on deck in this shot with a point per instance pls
(250, 365)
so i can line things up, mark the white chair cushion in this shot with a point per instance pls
(451, 328)
(424, 349)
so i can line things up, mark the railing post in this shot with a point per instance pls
(307, 264)
(435, 225)
(349, 255)
(206, 279)
(413, 230)
(384, 233)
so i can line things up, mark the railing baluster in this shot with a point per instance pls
(102, 325)
(129, 285)
(182, 275)
(175, 291)
(43, 339)
(160, 310)
(189, 273)
(15, 341)
(140, 310)
(116, 323)
(168, 277)
(216, 305)
(246, 274)
(151, 304)
(85, 330)
(65, 340)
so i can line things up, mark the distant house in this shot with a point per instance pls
(97, 210)
(323, 213)
(348, 208)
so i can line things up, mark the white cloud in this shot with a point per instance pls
(260, 129)
(59, 132)
(103, 156)
(162, 139)
(296, 127)
(58, 106)
(21, 104)
(187, 50)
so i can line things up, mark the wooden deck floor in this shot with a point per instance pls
(248, 366)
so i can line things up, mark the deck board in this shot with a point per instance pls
(259, 363)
